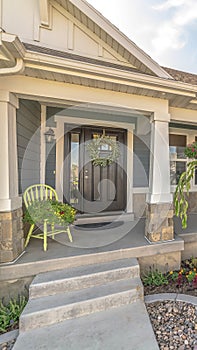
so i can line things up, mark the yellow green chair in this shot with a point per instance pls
(41, 192)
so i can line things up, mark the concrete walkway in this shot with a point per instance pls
(97, 306)
(125, 328)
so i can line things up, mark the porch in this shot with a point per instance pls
(111, 242)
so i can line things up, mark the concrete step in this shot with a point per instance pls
(81, 277)
(56, 308)
(82, 219)
(127, 327)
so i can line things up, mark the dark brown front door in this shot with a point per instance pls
(90, 188)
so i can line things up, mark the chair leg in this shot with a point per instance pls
(53, 229)
(69, 234)
(45, 236)
(29, 235)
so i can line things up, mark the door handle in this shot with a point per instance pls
(86, 174)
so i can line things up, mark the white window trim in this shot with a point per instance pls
(190, 137)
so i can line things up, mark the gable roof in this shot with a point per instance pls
(106, 31)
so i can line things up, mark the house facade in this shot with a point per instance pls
(66, 71)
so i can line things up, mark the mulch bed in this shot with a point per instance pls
(179, 286)
(171, 288)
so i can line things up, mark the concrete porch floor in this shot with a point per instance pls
(89, 246)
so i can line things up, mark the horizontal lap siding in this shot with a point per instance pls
(28, 143)
(141, 163)
(50, 164)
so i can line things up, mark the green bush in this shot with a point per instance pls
(154, 278)
(10, 313)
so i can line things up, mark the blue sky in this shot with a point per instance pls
(164, 29)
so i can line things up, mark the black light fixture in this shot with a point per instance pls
(49, 135)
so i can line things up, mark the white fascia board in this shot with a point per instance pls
(13, 44)
(121, 38)
(93, 71)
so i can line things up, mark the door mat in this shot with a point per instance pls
(99, 225)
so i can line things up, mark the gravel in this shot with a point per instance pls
(174, 324)
(8, 339)
(8, 345)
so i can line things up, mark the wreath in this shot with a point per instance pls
(103, 150)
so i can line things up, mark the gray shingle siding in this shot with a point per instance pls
(141, 161)
(28, 143)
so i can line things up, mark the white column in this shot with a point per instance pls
(9, 198)
(159, 178)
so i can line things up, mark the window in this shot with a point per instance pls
(178, 159)
(74, 168)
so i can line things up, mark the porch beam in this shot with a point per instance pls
(76, 69)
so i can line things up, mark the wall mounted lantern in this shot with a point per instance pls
(49, 135)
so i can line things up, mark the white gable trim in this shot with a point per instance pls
(107, 26)
(101, 44)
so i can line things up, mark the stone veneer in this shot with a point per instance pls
(159, 222)
(11, 235)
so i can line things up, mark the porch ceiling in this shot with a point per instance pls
(100, 81)
(53, 65)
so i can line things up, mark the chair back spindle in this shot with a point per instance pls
(39, 192)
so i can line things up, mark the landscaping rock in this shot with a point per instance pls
(7, 346)
(174, 324)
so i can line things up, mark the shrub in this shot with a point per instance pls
(10, 313)
(154, 278)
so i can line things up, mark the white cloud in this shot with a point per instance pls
(171, 34)
(169, 4)
(168, 36)
(164, 29)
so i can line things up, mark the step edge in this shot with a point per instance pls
(136, 265)
(58, 281)
(134, 290)
(132, 280)
(133, 295)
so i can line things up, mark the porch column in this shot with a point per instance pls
(159, 207)
(11, 233)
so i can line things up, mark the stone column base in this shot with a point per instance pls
(11, 235)
(159, 222)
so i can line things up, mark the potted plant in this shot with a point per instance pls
(52, 211)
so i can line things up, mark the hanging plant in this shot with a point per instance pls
(103, 150)
(182, 190)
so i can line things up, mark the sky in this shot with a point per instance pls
(165, 29)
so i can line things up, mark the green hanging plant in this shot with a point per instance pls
(103, 150)
(182, 190)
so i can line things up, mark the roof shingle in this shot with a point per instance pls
(182, 76)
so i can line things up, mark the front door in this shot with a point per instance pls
(90, 188)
